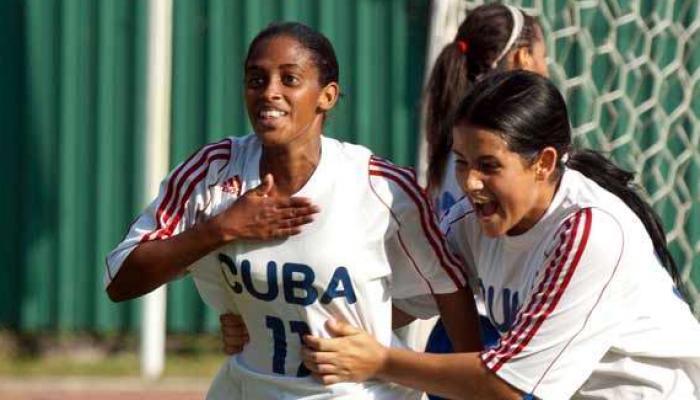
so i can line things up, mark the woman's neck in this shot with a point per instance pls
(291, 165)
(542, 204)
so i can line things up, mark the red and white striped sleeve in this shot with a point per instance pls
(572, 315)
(420, 261)
(182, 195)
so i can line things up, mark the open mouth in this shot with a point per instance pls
(485, 208)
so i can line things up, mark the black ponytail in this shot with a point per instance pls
(483, 35)
(619, 182)
(530, 114)
(446, 86)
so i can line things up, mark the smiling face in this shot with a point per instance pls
(509, 193)
(284, 98)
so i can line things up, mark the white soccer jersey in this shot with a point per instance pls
(584, 307)
(449, 191)
(374, 239)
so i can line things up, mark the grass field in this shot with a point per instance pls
(121, 365)
(88, 355)
(78, 367)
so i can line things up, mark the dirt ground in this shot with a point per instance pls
(101, 388)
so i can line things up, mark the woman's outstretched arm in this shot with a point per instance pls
(353, 355)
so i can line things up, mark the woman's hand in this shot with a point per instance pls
(259, 216)
(351, 356)
(233, 333)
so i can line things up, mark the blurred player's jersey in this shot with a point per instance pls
(449, 192)
(582, 303)
(374, 240)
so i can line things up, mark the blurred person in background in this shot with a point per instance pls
(493, 37)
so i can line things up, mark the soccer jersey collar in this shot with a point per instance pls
(315, 185)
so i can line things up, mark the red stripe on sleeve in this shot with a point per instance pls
(169, 203)
(177, 206)
(410, 176)
(180, 210)
(531, 321)
(176, 180)
(447, 266)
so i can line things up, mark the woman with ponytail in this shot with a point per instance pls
(493, 37)
(571, 261)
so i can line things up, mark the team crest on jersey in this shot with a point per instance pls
(232, 185)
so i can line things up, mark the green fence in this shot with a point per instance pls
(74, 129)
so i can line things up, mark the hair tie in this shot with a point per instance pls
(462, 46)
(518, 23)
(565, 158)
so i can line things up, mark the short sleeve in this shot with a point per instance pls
(416, 250)
(573, 313)
(182, 196)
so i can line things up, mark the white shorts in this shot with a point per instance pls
(234, 381)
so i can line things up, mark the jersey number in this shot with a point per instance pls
(279, 338)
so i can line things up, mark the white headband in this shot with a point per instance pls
(518, 23)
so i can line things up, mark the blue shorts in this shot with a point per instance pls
(438, 342)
